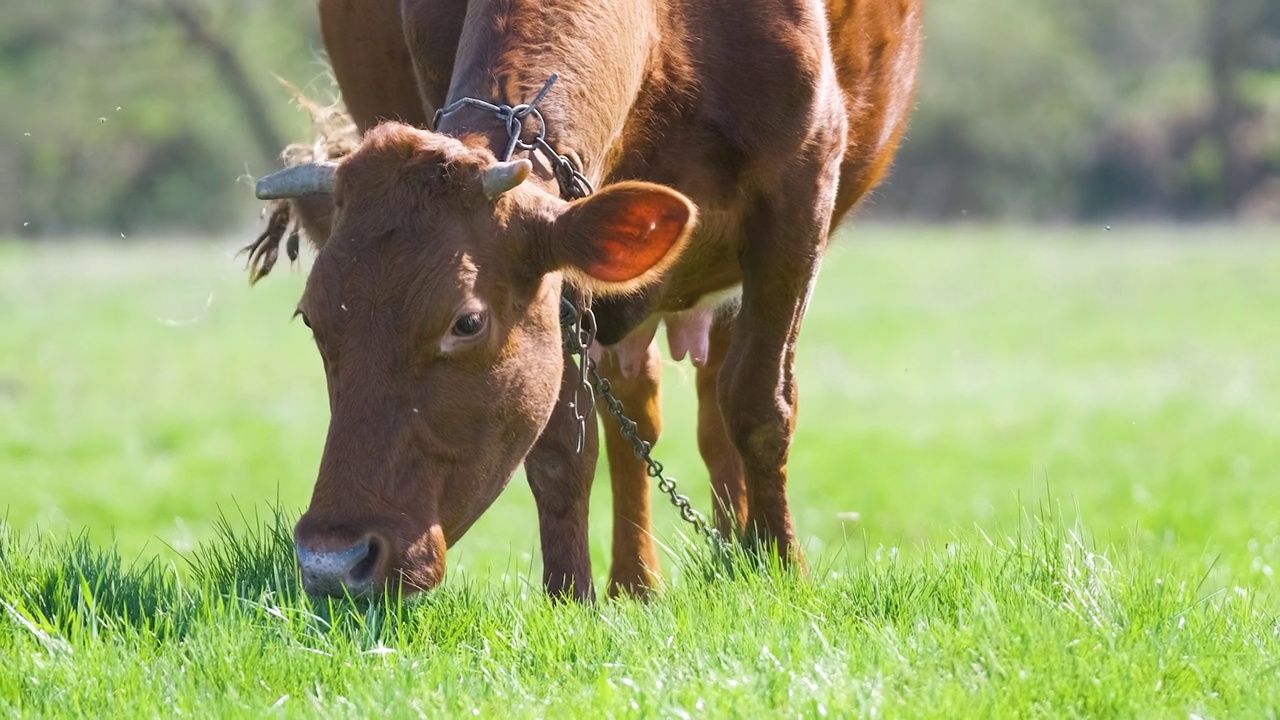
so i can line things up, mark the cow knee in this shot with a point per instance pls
(761, 431)
(762, 443)
(561, 483)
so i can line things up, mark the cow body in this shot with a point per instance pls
(772, 116)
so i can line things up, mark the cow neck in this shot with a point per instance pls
(508, 50)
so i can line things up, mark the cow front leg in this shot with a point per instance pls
(728, 484)
(757, 385)
(635, 554)
(560, 477)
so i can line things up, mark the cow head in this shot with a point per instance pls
(434, 304)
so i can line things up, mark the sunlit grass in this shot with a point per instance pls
(953, 382)
(1039, 622)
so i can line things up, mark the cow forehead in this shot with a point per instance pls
(408, 193)
(414, 230)
(421, 272)
(393, 153)
(417, 275)
(393, 138)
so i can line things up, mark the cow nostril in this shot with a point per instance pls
(361, 574)
(353, 570)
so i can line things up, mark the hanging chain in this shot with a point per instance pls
(579, 332)
(578, 325)
(577, 322)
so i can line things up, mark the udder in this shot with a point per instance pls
(688, 335)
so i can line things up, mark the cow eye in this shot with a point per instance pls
(300, 314)
(468, 325)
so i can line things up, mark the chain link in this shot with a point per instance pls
(573, 183)
(579, 328)
(577, 322)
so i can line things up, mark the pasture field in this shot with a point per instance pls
(1037, 472)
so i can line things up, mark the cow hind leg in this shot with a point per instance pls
(560, 478)
(635, 554)
(728, 484)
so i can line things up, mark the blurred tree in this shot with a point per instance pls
(126, 118)
(118, 115)
(1007, 98)
(1229, 28)
(234, 75)
(1242, 42)
(1094, 108)
(1199, 134)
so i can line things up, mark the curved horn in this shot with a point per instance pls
(296, 181)
(504, 176)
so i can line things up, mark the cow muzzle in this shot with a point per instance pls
(356, 569)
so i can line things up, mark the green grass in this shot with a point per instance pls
(1036, 625)
(959, 388)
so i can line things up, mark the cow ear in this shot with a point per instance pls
(622, 237)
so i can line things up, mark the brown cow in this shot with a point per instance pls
(434, 297)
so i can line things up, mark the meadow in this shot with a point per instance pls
(1037, 473)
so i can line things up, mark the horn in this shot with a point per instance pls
(296, 181)
(504, 176)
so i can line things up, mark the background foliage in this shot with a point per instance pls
(967, 386)
(124, 115)
(121, 119)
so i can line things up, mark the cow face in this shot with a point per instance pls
(435, 307)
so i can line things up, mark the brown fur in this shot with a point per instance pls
(772, 116)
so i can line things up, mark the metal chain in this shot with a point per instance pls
(577, 341)
(577, 322)
(573, 184)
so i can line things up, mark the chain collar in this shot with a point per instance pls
(573, 184)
